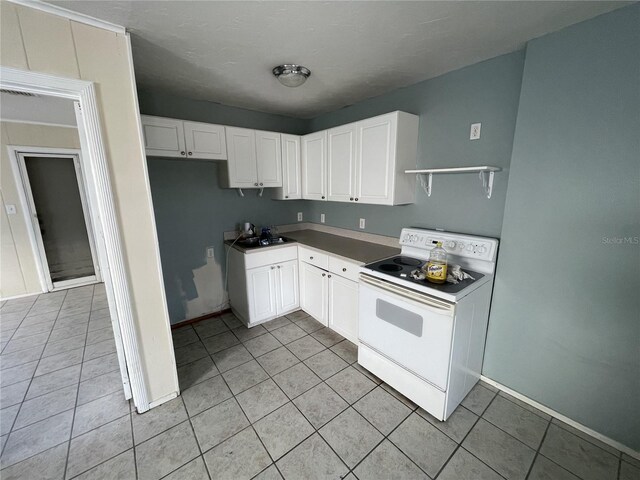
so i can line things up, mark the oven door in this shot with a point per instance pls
(410, 328)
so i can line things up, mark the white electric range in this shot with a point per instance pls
(427, 340)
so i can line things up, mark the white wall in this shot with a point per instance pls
(37, 41)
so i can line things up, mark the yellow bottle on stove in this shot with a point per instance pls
(437, 265)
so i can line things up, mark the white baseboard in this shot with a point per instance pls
(22, 295)
(164, 399)
(617, 445)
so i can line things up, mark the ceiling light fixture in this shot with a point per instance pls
(291, 75)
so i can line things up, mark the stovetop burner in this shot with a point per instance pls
(408, 261)
(390, 267)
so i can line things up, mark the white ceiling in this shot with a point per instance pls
(38, 109)
(224, 51)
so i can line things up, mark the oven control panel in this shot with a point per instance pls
(456, 244)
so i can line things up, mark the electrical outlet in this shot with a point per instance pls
(210, 252)
(299, 216)
(475, 131)
(362, 223)
(322, 218)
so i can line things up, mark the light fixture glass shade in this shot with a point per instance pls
(291, 75)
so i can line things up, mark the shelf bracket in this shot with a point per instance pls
(487, 182)
(426, 183)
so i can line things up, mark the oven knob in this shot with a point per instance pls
(470, 248)
(461, 246)
(482, 249)
(451, 244)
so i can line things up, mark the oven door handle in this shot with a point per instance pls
(412, 295)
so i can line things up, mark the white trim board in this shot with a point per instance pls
(104, 219)
(578, 426)
(46, 124)
(71, 15)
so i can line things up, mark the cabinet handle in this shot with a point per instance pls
(286, 196)
(182, 153)
(351, 199)
(344, 269)
(310, 258)
(272, 267)
(255, 184)
(261, 184)
(324, 274)
(329, 276)
(190, 153)
(323, 197)
(278, 266)
(356, 199)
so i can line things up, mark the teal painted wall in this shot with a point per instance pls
(486, 92)
(192, 212)
(565, 320)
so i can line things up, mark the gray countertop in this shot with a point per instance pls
(358, 250)
(349, 248)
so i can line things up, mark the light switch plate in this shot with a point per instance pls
(299, 216)
(474, 134)
(322, 218)
(362, 223)
(210, 252)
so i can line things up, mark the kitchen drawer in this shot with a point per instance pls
(314, 257)
(270, 256)
(344, 268)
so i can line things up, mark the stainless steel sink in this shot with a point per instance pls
(254, 242)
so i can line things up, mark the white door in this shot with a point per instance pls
(291, 176)
(262, 293)
(413, 329)
(287, 286)
(205, 141)
(376, 159)
(241, 152)
(314, 166)
(163, 137)
(341, 159)
(314, 292)
(343, 307)
(269, 158)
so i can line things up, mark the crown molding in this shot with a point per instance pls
(71, 15)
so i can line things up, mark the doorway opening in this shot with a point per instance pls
(53, 184)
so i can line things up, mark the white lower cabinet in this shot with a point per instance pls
(263, 285)
(314, 292)
(330, 296)
(343, 307)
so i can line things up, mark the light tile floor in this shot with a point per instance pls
(282, 400)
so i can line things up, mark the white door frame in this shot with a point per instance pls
(103, 216)
(17, 156)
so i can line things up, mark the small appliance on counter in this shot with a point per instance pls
(248, 230)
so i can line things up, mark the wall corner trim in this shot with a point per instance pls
(578, 426)
(71, 15)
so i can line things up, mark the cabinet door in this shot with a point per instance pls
(269, 158)
(291, 176)
(163, 137)
(241, 150)
(261, 286)
(205, 141)
(287, 289)
(313, 292)
(343, 307)
(341, 159)
(314, 166)
(375, 160)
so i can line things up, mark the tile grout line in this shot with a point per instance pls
(73, 419)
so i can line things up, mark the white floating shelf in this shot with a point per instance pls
(486, 173)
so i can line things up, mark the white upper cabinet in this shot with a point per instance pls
(163, 137)
(314, 166)
(291, 176)
(255, 159)
(365, 161)
(168, 137)
(341, 160)
(241, 163)
(269, 159)
(205, 141)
